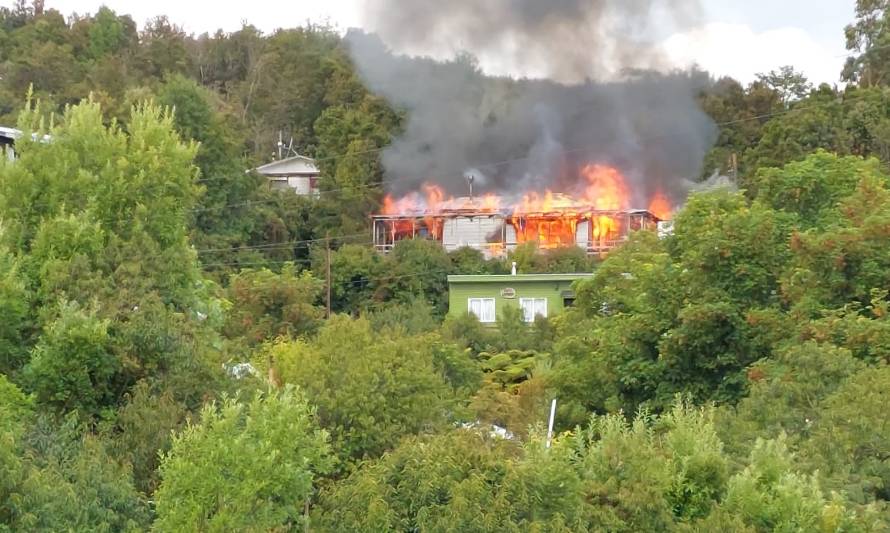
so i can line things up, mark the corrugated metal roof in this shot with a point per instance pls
(10, 133)
(270, 168)
(492, 278)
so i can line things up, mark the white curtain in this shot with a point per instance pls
(483, 308)
(532, 307)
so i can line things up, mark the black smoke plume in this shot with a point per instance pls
(596, 101)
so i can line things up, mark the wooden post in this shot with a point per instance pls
(550, 424)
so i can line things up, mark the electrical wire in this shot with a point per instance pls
(352, 282)
(256, 263)
(281, 244)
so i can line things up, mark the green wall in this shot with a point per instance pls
(550, 287)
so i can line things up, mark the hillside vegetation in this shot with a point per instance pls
(730, 377)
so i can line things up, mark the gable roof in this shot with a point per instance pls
(295, 165)
(10, 133)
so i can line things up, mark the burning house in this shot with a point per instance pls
(557, 97)
(596, 218)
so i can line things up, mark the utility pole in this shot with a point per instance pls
(734, 166)
(328, 276)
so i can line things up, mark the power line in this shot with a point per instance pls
(389, 278)
(280, 244)
(352, 282)
(256, 263)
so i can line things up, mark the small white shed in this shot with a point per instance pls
(8, 137)
(297, 173)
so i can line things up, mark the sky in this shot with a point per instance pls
(736, 38)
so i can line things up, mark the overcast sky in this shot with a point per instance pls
(737, 38)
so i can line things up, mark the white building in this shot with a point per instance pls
(297, 173)
(7, 141)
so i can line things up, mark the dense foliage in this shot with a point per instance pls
(184, 349)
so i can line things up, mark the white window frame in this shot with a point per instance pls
(485, 318)
(524, 304)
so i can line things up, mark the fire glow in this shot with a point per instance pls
(599, 209)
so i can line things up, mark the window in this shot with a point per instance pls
(532, 307)
(483, 308)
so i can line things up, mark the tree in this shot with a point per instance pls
(246, 466)
(867, 120)
(419, 268)
(813, 188)
(706, 353)
(285, 89)
(868, 37)
(350, 137)
(163, 49)
(742, 113)
(371, 389)
(72, 367)
(411, 318)
(266, 305)
(15, 410)
(770, 496)
(606, 358)
(143, 430)
(133, 191)
(99, 218)
(813, 123)
(846, 262)
(849, 443)
(108, 33)
(433, 482)
(66, 481)
(790, 84)
(467, 261)
(652, 474)
(726, 246)
(15, 309)
(649, 493)
(199, 116)
(863, 330)
(686, 314)
(785, 395)
(356, 275)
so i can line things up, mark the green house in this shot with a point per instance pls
(487, 296)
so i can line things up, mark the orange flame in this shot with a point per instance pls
(606, 189)
(548, 218)
(434, 197)
(491, 203)
(604, 230)
(660, 206)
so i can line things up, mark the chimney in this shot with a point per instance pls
(513, 270)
